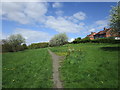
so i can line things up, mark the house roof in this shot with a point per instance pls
(104, 31)
(93, 33)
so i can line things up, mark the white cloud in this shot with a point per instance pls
(32, 36)
(59, 12)
(72, 39)
(27, 13)
(79, 15)
(60, 24)
(24, 13)
(23, 0)
(72, 19)
(57, 5)
(97, 26)
(75, 18)
(81, 23)
(3, 36)
(92, 30)
(101, 22)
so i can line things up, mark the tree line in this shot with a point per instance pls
(16, 43)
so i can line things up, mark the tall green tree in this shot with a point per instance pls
(115, 19)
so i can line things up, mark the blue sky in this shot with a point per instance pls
(38, 22)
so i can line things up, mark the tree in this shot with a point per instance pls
(115, 19)
(6, 47)
(13, 43)
(24, 46)
(77, 40)
(16, 39)
(59, 39)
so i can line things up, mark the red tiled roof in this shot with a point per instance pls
(103, 32)
(91, 34)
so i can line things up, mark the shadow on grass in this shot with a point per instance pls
(110, 48)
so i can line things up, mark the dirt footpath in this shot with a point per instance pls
(56, 79)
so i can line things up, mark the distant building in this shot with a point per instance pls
(91, 36)
(104, 34)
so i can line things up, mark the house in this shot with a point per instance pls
(91, 36)
(115, 35)
(104, 34)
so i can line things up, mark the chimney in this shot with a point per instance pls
(92, 32)
(105, 28)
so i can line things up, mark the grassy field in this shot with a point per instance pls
(27, 69)
(89, 65)
(86, 65)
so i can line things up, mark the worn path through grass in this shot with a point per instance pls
(56, 79)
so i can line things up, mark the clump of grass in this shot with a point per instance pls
(61, 53)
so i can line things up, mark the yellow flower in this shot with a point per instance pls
(13, 80)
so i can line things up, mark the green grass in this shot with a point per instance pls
(89, 65)
(27, 69)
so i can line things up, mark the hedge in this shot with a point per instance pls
(38, 45)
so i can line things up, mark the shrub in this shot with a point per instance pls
(85, 40)
(43, 45)
(38, 45)
(59, 39)
(99, 40)
(77, 40)
(105, 40)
